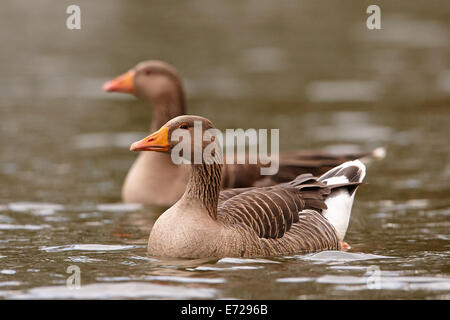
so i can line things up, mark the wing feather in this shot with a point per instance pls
(269, 212)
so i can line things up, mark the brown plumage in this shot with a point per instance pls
(277, 220)
(158, 83)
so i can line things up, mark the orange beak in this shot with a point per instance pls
(158, 141)
(123, 83)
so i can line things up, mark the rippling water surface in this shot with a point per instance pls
(325, 82)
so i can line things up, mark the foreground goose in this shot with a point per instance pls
(155, 180)
(306, 214)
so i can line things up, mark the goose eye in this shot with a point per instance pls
(183, 126)
(148, 72)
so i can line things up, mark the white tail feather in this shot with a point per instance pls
(340, 201)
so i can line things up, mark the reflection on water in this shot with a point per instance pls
(335, 256)
(324, 80)
(119, 267)
(87, 247)
(133, 290)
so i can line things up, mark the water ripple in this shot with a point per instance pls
(352, 283)
(327, 256)
(36, 208)
(10, 283)
(23, 227)
(241, 260)
(89, 247)
(185, 279)
(204, 268)
(7, 271)
(83, 259)
(116, 291)
(119, 207)
(295, 279)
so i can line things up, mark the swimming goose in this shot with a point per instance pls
(304, 215)
(153, 179)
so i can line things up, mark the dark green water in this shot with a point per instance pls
(310, 68)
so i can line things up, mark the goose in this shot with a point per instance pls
(154, 180)
(304, 215)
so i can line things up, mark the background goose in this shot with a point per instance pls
(304, 215)
(148, 179)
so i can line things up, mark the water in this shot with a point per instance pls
(322, 78)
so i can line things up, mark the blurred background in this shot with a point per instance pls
(311, 68)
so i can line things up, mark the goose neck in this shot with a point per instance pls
(204, 187)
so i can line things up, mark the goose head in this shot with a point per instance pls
(154, 81)
(192, 138)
